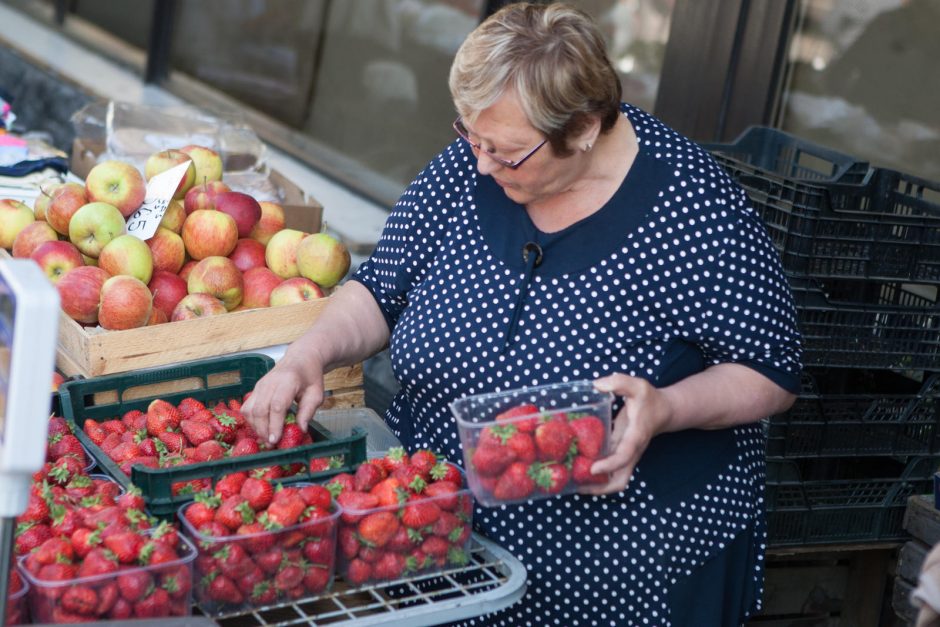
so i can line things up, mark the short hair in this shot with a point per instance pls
(553, 56)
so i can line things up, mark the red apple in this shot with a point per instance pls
(202, 195)
(56, 258)
(167, 289)
(248, 253)
(126, 303)
(44, 199)
(127, 254)
(217, 276)
(174, 216)
(32, 235)
(258, 285)
(168, 251)
(116, 183)
(64, 201)
(295, 290)
(323, 259)
(272, 220)
(197, 306)
(14, 217)
(164, 160)
(209, 234)
(242, 207)
(208, 163)
(80, 293)
(187, 268)
(157, 316)
(281, 252)
(57, 380)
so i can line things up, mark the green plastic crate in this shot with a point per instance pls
(209, 381)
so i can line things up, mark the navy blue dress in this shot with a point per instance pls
(675, 273)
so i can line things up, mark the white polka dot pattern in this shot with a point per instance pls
(699, 267)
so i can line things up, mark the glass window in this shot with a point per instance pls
(864, 79)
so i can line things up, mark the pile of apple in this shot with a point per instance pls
(215, 250)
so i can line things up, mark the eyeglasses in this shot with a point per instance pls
(506, 163)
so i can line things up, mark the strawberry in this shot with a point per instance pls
(491, 459)
(84, 540)
(94, 431)
(224, 426)
(173, 442)
(258, 492)
(57, 426)
(259, 539)
(550, 477)
(394, 457)
(389, 567)
(37, 510)
(65, 468)
(514, 415)
(288, 578)
(445, 471)
(133, 584)
(155, 553)
(178, 582)
(410, 477)
(319, 551)
(358, 572)
(230, 484)
(446, 525)
(377, 528)
(291, 437)
(124, 451)
(348, 542)
(523, 446)
(80, 600)
(245, 446)
(162, 416)
(208, 451)
(233, 560)
(589, 434)
(286, 512)
(418, 560)
(368, 474)
(435, 546)
(388, 492)
(236, 405)
(65, 521)
(355, 504)
(270, 561)
(61, 445)
(108, 595)
(53, 550)
(122, 610)
(114, 426)
(343, 482)
(196, 432)
(424, 460)
(250, 580)
(443, 493)
(133, 418)
(420, 512)
(553, 439)
(316, 579)
(126, 546)
(581, 471)
(234, 512)
(189, 406)
(166, 533)
(514, 484)
(316, 495)
(154, 605)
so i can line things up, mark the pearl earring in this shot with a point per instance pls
(587, 147)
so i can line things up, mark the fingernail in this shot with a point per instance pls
(272, 439)
(602, 386)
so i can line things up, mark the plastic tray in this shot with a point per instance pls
(493, 580)
(825, 422)
(209, 380)
(842, 500)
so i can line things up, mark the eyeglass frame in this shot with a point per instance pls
(512, 165)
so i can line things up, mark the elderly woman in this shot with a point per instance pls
(565, 236)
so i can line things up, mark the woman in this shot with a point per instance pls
(568, 236)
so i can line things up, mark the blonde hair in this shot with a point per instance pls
(555, 59)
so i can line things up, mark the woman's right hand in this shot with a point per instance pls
(289, 381)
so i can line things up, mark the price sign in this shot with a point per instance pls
(143, 223)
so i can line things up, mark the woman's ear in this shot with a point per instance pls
(586, 139)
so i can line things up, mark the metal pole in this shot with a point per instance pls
(161, 34)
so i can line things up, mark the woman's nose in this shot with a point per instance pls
(485, 164)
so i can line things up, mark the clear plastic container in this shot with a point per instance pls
(533, 443)
(164, 589)
(295, 563)
(17, 608)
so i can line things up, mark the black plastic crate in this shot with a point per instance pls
(209, 381)
(867, 324)
(872, 417)
(842, 500)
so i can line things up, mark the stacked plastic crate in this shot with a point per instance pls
(861, 247)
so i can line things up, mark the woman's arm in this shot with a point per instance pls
(721, 396)
(350, 329)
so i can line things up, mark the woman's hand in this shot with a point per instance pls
(290, 380)
(646, 412)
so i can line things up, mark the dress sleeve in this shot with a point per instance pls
(739, 307)
(414, 231)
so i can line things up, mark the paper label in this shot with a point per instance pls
(143, 223)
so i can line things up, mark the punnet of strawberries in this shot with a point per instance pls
(526, 453)
(168, 435)
(63, 447)
(260, 542)
(402, 515)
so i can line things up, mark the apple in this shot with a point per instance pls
(209, 234)
(295, 290)
(56, 258)
(187, 268)
(167, 249)
(217, 276)
(127, 255)
(94, 225)
(258, 285)
(80, 293)
(281, 252)
(208, 163)
(202, 195)
(323, 259)
(117, 183)
(32, 235)
(164, 160)
(167, 289)
(126, 303)
(242, 207)
(197, 306)
(248, 253)
(174, 216)
(57, 380)
(90, 261)
(14, 217)
(272, 220)
(44, 199)
(64, 202)
(157, 316)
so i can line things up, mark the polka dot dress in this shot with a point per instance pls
(675, 273)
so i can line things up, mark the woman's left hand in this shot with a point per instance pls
(645, 413)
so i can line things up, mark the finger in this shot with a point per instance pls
(617, 482)
(255, 411)
(282, 397)
(310, 400)
(625, 455)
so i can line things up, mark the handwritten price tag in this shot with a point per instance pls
(143, 223)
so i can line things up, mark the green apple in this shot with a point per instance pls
(164, 160)
(281, 252)
(129, 255)
(117, 183)
(14, 217)
(208, 163)
(94, 225)
(323, 259)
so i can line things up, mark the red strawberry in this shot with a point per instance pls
(189, 406)
(174, 442)
(178, 582)
(443, 493)
(108, 595)
(110, 441)
(126, 546)
(316, 579)
(234, 512)
(162, 416)
(53, 549)
(67, 467)
(515, 415)
(245, 446)
(286, 512)
(410, 477)
(514, 484)
(291, 437)
(84, 540)
(233, 560)
(491, 459)
(61, 445)
(154, 605)
(581, 471)
(234, 404)
(418, 560)
(224, 426)
(133, 418)
(263, 594)
(259, 539)
(377, 528)
(550, 477)
(230, 484)
(133, 584)
(424, 460)
(435, 546)
(247, 582)
(523, 445)
(288, 578)
(196, 432)
(368, 475)
(37, 510)
(343, 482)
(388, 492)
(80, 600)
(348, 543)
(114, 426)
(131, 499)
(355, 504)
(447, 525)
(316, 495)
(122, 610)
(389, 567)
(553, 439)
(589, 431)
(224, 590)
(445, 471)
(270, 561)
(319, 551)
(420, 512)
(208, 451)
(94, 431)
(57, 426)
(258, 492)
(65, 521)
(358, 572)
(395, 457)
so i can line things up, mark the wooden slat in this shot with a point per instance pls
(922, 520)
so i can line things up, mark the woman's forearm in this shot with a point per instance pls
(722, 396)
